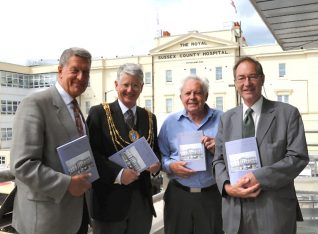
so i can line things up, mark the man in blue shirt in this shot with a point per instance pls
(192, 201)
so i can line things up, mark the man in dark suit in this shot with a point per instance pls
(264, 200)
(122, 199)
(47, 200)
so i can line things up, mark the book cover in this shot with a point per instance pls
(77, 158)
(137, 156)
(242, 157)
(192, 150)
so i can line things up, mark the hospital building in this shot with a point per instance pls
(290, 76)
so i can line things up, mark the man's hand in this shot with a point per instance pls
(209, 143)
(79, 184)
(128, 176)
(250, 180)
(246, 187)
(179, 168)
(154, 168)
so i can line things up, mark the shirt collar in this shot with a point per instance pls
(257, 107)
(183, 113)
(125, 108)
(65, 96)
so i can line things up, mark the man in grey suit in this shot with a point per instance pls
(47, 200)
(263, 201)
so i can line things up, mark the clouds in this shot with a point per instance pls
(37, 29)
(200, 15)
(254, 29)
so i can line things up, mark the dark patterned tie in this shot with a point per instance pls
(78, 119)
(129, 118)
(248, 124)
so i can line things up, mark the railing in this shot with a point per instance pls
(6, 219)
(5, 176)
(6, 212)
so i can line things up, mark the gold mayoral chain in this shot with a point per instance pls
(133, 134)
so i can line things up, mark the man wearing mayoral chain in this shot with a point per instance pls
(122, 198)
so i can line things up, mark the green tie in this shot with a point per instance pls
(248, 124)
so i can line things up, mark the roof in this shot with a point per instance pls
(293, 23)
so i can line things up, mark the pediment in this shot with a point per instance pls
(195, 41)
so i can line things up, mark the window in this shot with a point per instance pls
(9, 107)
(6, 134)
(193, 71)
(2, 160)
(219, 103)
(3, 107)
(147, 77)
(169, 105)
(87, 106)
(15, 80)
(218, 73)
(10, 79)
(168, 76)
(282, 69)
(148, 104)
(283, 98)
(3, 78)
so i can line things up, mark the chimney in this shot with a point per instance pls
(165, 34)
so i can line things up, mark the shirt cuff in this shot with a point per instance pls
(167, 167)
(224, 193)
(118, 178)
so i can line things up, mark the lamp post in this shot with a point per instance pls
(107, 93)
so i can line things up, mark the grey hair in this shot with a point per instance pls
(130, 69)
(74, 51)
(204, 83)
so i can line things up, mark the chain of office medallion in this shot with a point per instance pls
(116, 138)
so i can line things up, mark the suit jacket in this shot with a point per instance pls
(42, 203)
(283, 153)
(111, 201)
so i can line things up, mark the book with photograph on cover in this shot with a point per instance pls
(76, 157)
(191, 150)
(137, 156)
(242, 157)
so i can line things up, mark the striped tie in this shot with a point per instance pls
(78, 119)
(129, 118)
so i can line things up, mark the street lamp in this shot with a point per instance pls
(107, 93)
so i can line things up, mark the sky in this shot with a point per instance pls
(32, 30)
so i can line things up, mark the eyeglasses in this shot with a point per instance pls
(252, 77)
(135, 87)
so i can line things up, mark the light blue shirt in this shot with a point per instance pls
(180, 122)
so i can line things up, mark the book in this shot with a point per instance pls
(191, 150)
(137, 156)
(242, 157)
(76, 157)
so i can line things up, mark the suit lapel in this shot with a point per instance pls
(142, 122)
(237, 119)
(63, 114)
(267, 117)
